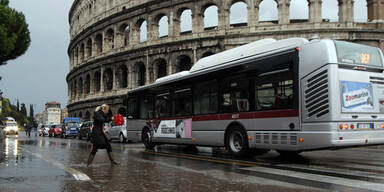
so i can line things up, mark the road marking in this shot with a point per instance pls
(203, 159)
(319, 178)
(78, 175)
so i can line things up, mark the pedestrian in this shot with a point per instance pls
(29, 129)
(98, 137)
(35, 125)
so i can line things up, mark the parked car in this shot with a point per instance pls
(54, 130)
(85, 130)
(118, 132)
(71, 129)
(44, 130)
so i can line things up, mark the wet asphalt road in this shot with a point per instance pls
(55, 164)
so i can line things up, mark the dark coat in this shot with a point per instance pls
(98, 137)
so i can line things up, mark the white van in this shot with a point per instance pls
(11, 127)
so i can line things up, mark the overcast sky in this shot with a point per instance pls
(39, 75)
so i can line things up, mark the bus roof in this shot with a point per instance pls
(228, 58)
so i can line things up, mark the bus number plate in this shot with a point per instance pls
(364, 125)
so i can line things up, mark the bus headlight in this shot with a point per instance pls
(7, 129)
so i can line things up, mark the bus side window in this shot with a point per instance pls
(205, 98)
(146, 107)
(132, 107)
(235, 96)
(182, 102)
(162, 105)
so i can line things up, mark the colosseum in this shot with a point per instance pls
(117, 45)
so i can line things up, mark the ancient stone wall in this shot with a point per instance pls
(110, 53)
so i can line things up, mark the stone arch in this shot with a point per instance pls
(82, 52)
(97, 81)
(238, 14)
(332, 13)
(108, 79)
(80, 87)
(360, 11)
(81, 116)
(99, 44)
(75, 88)
(185, 20)
(88, 51)
(159, 68)
(140, 73)
(109, 39)
(207, 53)
(299, 11)
(87, 116)
(122, 73)
(162, 25)
(268, 11)
(123, 34)
(184, 63)
(76, 56)
(211, 16)
(122, 111)
(88, 84)
(142, 30)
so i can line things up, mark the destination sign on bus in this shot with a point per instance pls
(358, 54)
(356, 96)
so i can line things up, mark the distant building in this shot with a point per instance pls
(40, 118)
(64, 113)
(52, 113)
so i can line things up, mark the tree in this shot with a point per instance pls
(14, 33)
(23, 110)
(17, 106)
(31, 111)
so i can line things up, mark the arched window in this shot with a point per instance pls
(206, 54)
(330, 10)
(298, 10)
(184, 63)
(88, 84)
(186, 21)
(82, 46)
(81, 116)
(87, 116)
(360, 11)
(160, 68)
(80, 86)
(108, 79)
(163, 26)
(110, 39)
(122, 76)
(77, 56)
(143, 31)
(124, 34)
(211, 17)
(238, 14)
(268, 11)
(140, 73)
(99, 44)
(97, 81)
(75, 88)
(89, 48)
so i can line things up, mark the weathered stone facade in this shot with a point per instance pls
(108, 57)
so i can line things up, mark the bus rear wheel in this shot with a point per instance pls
(147, 139)
(237, 141)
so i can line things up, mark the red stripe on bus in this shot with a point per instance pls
(244, 115)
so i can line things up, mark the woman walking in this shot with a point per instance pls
(98, 137)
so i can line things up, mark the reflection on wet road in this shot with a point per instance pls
(55, 164)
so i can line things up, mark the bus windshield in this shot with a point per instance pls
(358, 54)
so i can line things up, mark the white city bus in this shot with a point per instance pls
(289, 95)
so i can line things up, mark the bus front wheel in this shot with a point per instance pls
(237, 141)
(147, 139)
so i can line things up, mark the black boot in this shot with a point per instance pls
(112, 160)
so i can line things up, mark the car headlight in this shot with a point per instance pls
(7, 129)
